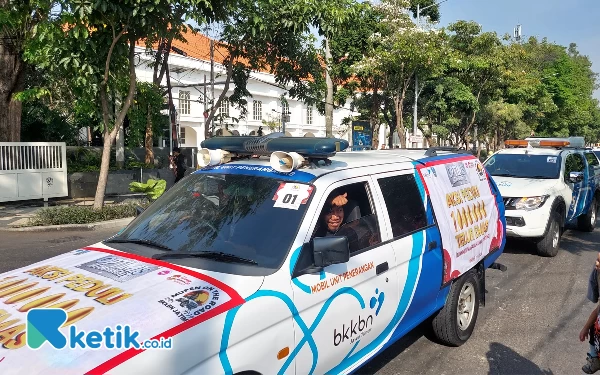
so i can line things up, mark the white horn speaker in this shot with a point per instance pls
(286, 161)
(208, 157)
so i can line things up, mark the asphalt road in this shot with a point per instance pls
(530, 324)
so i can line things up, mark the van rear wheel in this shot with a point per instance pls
(587, 221)
(454, 323)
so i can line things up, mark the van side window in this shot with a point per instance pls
(404, 204)
(573, 163)
(591, 159)
(348, 212)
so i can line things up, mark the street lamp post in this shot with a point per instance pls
(415, 108)
(280, 117)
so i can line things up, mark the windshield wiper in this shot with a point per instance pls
(504, 175)
(543, 177)
(141, 242)
(204, 254)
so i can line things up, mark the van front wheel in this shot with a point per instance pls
(454, 323)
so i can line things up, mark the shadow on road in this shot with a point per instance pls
(372, 367)
(504, 360)
(520, 246)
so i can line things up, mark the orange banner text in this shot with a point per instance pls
(333, 281)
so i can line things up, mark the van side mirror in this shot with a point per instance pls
(575, 177)
(330, 250)
(138, 210)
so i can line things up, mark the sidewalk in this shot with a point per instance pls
(15, 214)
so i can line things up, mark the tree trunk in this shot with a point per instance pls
(12, 80)
(120, 148)
(110, 135)
(329, 96)
(399, 103)
(149, 142)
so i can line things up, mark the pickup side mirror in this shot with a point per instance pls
(575, 177)
(138, 210)
(330, 250)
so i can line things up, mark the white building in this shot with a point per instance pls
(189, 64)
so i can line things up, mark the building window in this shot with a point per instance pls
(257, 110)
(184, 102)
(285, 108)
(309, 115)
(224, 108)
(182, 135)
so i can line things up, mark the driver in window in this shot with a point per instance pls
(338, 210)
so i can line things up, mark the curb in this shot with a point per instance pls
(118, 223)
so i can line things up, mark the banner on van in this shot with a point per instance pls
(466, 212)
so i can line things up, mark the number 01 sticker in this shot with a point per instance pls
(292, 195)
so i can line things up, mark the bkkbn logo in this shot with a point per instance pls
(351, 331)
(44, 325)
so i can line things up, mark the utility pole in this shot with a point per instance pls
(172, 136)
(283, 114)
(204, 112)
(212, 77)
(329, 96)
(415, 108)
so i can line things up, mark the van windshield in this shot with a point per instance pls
(524, 166)
(234, 215)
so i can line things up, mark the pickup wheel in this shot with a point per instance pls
(548, 245)
(587, 221)
(454, 323)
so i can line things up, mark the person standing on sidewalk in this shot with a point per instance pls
(592, 326)
(179, 161)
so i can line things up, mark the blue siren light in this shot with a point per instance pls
(308, 147)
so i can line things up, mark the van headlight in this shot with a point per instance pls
(530, 203)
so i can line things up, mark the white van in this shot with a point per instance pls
(310, 261)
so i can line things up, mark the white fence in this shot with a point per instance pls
(33, 170)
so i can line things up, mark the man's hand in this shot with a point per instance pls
(340, 200)
(583, 334)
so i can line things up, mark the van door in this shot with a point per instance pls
(416, 242)
(345, 309)
(574, 162)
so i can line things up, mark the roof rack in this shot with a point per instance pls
(432, 151)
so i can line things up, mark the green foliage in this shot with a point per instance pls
(152, 188)
(81, 214)
(468, 79)
(148, 102)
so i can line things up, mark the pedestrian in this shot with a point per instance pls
(179, 161)
(592, 326)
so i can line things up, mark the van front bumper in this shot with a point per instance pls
(527, 224)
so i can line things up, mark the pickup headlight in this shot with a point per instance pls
(530, 203)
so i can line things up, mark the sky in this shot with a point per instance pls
(561, 21)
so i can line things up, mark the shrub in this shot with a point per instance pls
(152, 188)
(81, 214)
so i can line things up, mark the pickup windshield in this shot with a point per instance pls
(524, 166)
(232, 216)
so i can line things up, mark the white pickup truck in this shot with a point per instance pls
(547, 184)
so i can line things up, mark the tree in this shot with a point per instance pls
(94, 44)
(350, 43)
(402, 51)
(145, 119)
(477, 64)
(18, 23)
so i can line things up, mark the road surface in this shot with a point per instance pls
(530, 324)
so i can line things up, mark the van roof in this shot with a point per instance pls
(356, 159)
